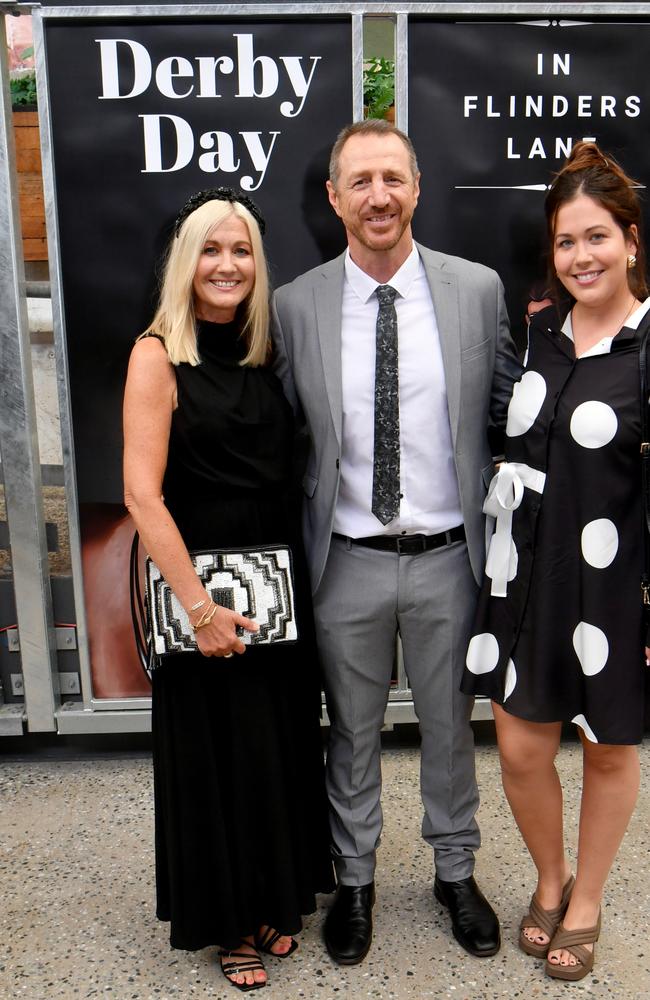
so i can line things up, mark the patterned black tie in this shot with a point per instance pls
(385, 472)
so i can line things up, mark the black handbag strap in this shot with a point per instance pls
(138, 610)
(645, 467)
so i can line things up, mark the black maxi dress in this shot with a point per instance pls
(241, 826)
(567, 642)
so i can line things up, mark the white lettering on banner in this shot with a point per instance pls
(534, 106)
(223, 157)
(180, 146)
(299, 82)
(168, 70)
(560, 106)
(557, 105)
(153, 143)
(550, 105)
(246, 64)
(208, 67)
(110, 73)
(558, 63)
(561, 149)
(256, 76)
(169, 141)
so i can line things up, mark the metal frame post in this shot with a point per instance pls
(20, 454)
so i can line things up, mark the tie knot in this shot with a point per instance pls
(386, 294)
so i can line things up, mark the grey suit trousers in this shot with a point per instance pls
(365, 597)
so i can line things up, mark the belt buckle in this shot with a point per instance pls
(411, 544)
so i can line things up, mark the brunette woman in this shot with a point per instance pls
(559, 635)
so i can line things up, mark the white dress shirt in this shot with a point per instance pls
(430, 501)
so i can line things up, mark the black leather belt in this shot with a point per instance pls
(408, 545)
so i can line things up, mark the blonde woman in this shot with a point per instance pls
(242, 841)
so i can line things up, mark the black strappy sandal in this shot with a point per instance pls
(264, 942)
(243, 962)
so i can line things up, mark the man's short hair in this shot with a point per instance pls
(370, 126)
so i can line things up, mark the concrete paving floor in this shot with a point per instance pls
(77, 888)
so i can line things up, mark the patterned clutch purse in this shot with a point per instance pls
(255, 582)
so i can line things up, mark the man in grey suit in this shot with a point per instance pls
(397, 358)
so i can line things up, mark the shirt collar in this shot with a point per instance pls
(364, 286)
(631, 323)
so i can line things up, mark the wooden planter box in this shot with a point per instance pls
(30, 184)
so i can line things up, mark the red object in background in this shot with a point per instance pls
(19, 38)
(106, 537)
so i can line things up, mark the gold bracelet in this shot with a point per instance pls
(199, 618)
(206, 617)
(195, 607)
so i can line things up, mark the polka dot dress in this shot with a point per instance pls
(566, 641)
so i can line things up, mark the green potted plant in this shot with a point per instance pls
(22, 85)
(378, 86)
(23, 92)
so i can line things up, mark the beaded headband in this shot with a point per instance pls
(218, 194)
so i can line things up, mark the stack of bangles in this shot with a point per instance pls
(206, 616)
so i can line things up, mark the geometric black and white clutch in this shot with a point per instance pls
(255, 582)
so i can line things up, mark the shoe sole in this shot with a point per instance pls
(347, 961)
(340, 960)
(567, 973)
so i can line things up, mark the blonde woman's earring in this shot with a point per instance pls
(631, 261)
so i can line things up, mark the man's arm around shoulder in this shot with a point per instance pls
(507, 371)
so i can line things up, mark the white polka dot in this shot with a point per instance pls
(513, 561)
(593, 424)
(599, 542)
(482, 653)
(527, 398)
(586, 728)
(511, 680)
(592, 648)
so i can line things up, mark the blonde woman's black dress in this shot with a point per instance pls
(241, 824)
(566, 643)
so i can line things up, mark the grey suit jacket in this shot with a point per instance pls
(480, 364)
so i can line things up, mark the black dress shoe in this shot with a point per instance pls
(348, 925)
(474, 923)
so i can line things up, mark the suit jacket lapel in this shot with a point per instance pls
(328, 295)
(444, 292)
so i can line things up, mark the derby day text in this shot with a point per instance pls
(170, 143)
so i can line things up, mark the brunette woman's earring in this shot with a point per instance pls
(631, 261)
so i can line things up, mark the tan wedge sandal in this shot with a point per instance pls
(574, 942)
(546, 920)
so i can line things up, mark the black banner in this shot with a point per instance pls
(493, 111)
(144, 113)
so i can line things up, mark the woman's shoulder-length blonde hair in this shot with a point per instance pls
(175, 317)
